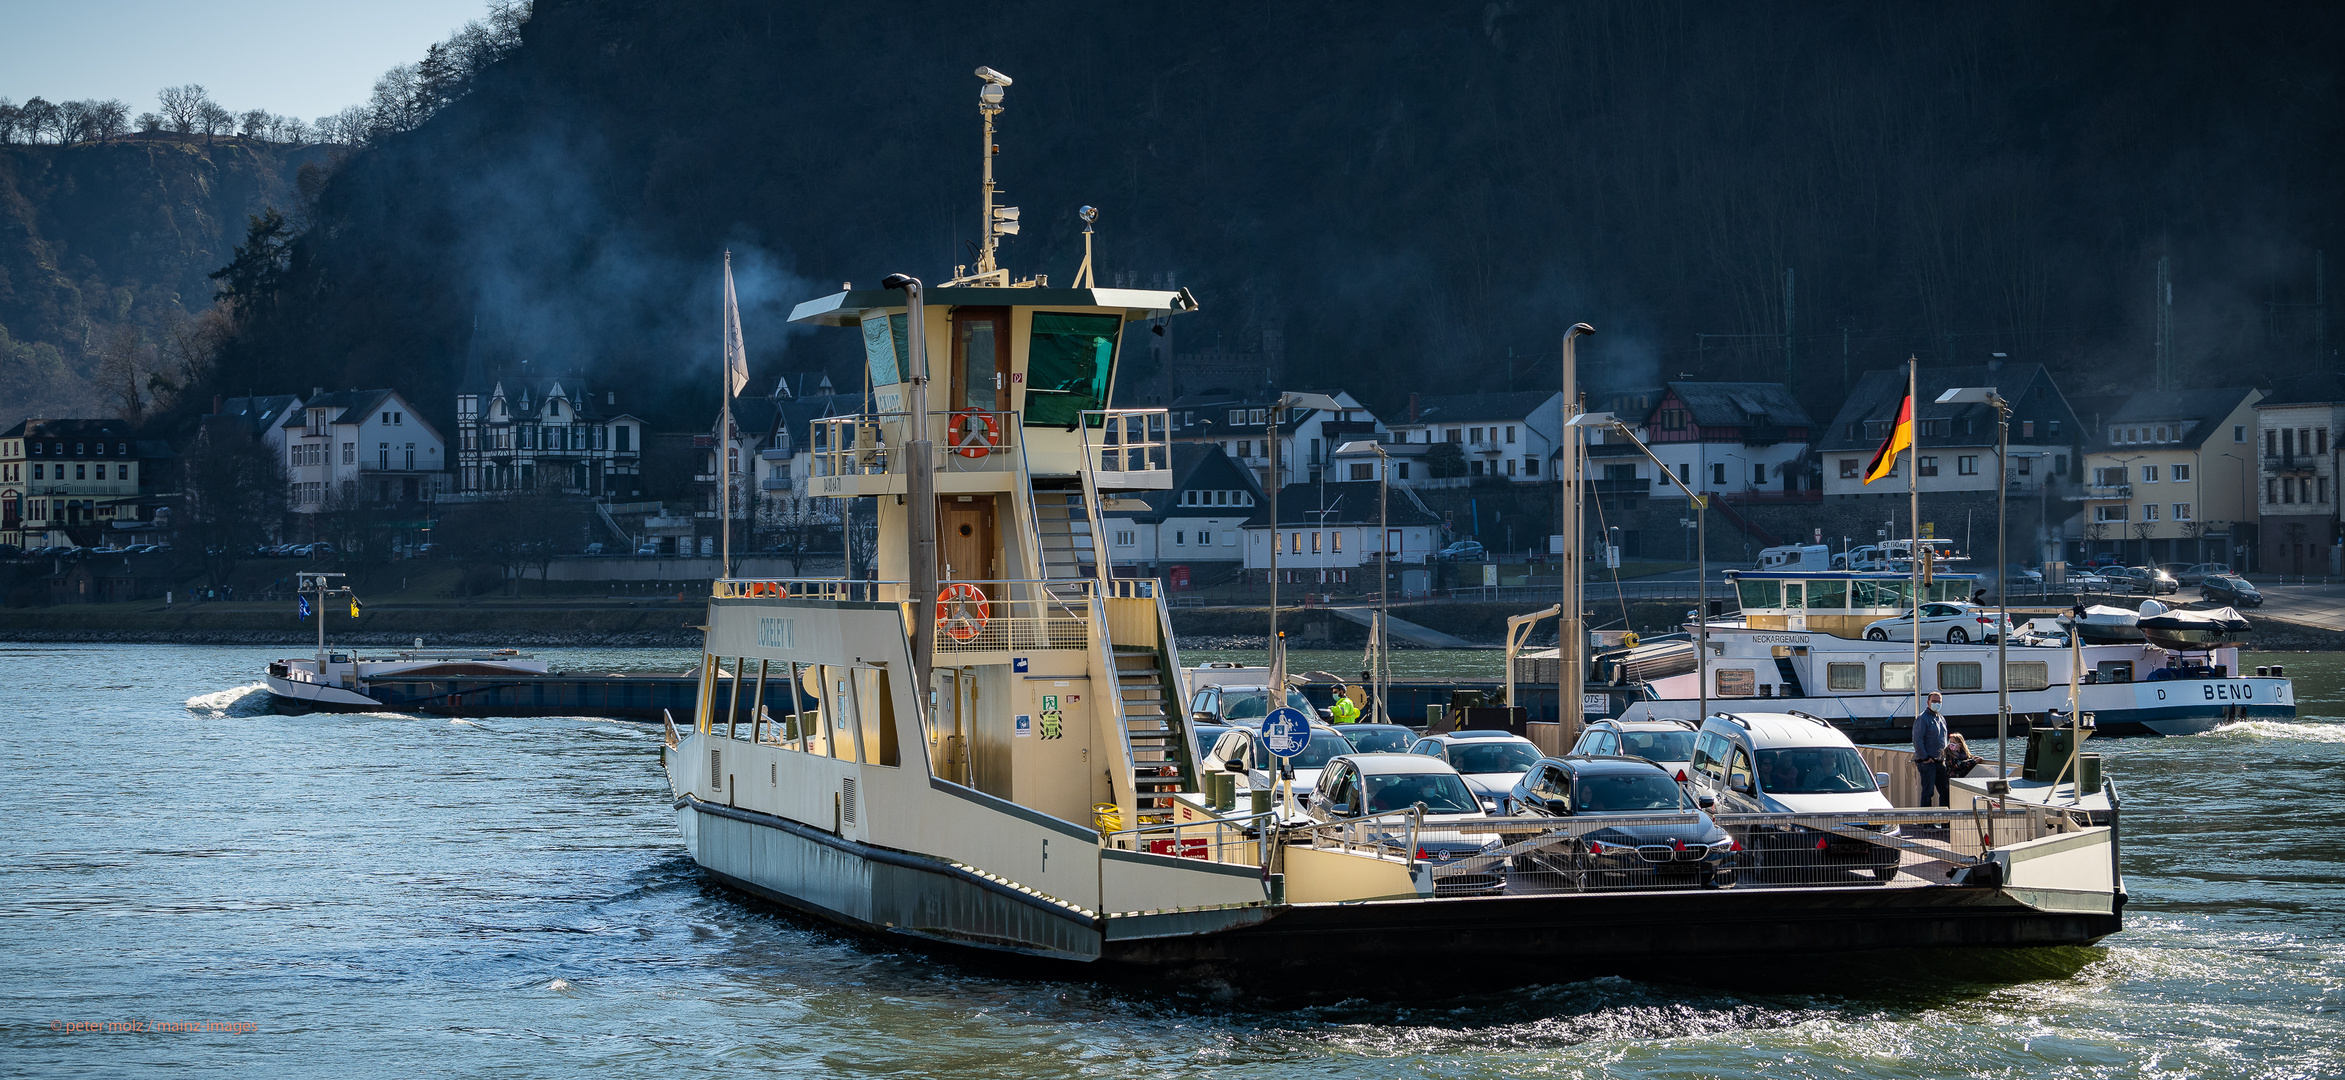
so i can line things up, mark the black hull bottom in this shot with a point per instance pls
(614, 697)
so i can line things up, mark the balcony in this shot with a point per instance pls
(2103, 493)
(2305, 464)
(774, 483)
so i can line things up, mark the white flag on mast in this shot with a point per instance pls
(736, 357)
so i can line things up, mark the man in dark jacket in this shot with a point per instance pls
(1929, 754)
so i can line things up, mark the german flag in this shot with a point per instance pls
(1900, 438)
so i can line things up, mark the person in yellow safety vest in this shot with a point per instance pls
(1345, 711)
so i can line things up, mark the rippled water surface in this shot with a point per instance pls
(393, 896)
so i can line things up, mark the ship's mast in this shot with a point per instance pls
(996, 223)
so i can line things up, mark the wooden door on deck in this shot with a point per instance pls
(964, 542)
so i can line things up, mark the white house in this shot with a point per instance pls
(1326, 532)
(1511, 435)
(1741, 440)
(1197, 524)
(1241, 426)
(364, 444)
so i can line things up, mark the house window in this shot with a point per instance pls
(1314, 543)
(2027, 429)
(1967, 465)
(1510, 466)
(1245, 448)
(1937, 428)
(1474, 435)
(1758, 475)
(2178, 473)
(2182, 511)
(2271, 491)
(1718, 474)
(2323, 488)
(2109, 513)
(1361, 470)
(1124, 538)
(1928, 467)
(1474, 467)
(1335, 542)
(1453, 435)
(2239, 433)
(2149, 511)
(1844, 676)
(1530, 467)
(1966, 675)
(2109, 476)
(1295, 543)
(1685, 474)
(1404, 470)
(1848, 468)
(2271, 442)
(2149, 474)
(1510, 432)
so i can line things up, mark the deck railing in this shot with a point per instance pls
(1536, 855)
(866, 444)
(1127, 440)
(1004, 615)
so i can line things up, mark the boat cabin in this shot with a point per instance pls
(1838, 603)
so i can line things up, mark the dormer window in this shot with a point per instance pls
(554, 408)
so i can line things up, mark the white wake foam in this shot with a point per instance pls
(2282, 729)
(251, 699)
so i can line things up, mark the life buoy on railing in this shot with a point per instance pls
(962, 611)
(972, 433)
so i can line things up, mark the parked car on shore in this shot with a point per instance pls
(2196, 572)
(2143, 580)
(2230, 590)
(1462, 551)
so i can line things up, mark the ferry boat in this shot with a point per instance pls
(1801, 644)
(983, 746)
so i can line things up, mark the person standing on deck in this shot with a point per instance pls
(1345, 712)
(1929, 754)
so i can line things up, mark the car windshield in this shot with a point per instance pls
(1323, 748)
(1380, 740)
(1658, 745)
(1254, 705)
(1495, 757)
(1442, 793)
(1625, 791)
(1813, 770)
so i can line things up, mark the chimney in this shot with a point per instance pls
(219, 404)
(1412, 406)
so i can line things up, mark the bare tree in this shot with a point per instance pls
(150, 122)
(10, 117)
(37, 118)
(109, 118)
(183, 106)
(214, 120)
(126, 363)
(73, 122)
(398, 103)
(254, 123)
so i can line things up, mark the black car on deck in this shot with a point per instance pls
(1591, 789)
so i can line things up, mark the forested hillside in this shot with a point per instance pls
(104, 248)
(1407, 196)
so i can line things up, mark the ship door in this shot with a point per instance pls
(981, 359)
(955, 689)
(1795, 605)
(965, 550)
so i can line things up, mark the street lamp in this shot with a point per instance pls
(1270, 434)
(1380, 677)
(1986, 395)
(1701, 507)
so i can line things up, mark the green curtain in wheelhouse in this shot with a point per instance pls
(1070, 362)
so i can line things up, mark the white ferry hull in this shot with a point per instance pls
(2175, 707)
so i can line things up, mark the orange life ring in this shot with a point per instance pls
(972, 440)
(962, 611)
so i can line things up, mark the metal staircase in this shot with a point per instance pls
(1063, 520)
(1149, 730)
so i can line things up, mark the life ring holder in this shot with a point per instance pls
(972, 440)
(962, 611)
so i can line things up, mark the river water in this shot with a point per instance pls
(380, 896)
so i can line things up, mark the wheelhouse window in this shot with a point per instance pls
(1070, 365)
(1761, 594)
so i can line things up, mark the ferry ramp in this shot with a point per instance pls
(1423, 636)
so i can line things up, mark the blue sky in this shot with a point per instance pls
(306, 59)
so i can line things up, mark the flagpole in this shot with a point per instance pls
(725, 426)
(1913, 495)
